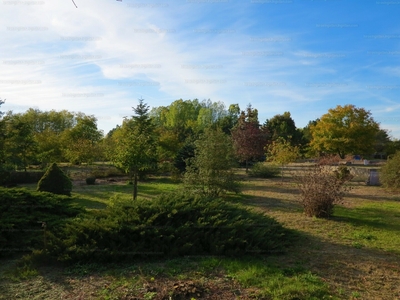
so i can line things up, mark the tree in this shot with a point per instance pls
(282, 152)
(345, 130)
(81, 140)
(3, 163)
(135, 145)
(19, 144)
(210, 171)
(249, 140)
(283, 127)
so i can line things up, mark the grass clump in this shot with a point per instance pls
(169, 226)
(262, 170)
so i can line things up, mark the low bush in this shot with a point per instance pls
(25, 177)
(170, 225)
(320, 189)
(389, 174)
(90, 180)
(24, 215)
(55, 181)
(263, 170)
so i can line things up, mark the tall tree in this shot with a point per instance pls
(345, 130)
(249, 140)
(135, 144)
(283, 126)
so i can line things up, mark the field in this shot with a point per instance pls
(353, 255)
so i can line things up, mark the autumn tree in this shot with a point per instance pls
(249, 140)
(135, 144)
(345, 130)
(282, 152)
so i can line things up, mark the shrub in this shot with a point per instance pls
(22, 213)
(55, 181)
(389, 174)
(343, 173)
(262, 170)
(320, 189)
(170, 225)
(91, 180)
(24, 177)
(210, 171)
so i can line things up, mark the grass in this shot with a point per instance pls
(353, 255)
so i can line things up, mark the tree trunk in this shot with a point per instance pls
(135, 186)
(247, 166)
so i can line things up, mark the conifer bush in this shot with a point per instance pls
(169, 226)
(55, 181)
(23, 214)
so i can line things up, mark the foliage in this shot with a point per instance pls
(135, 145)
(22, 214)
(81, 140)
(320, 189)
(343, 173)
(90, 180)
(210, 171)
(19, 143)
(389, 174)
(170, 225)
(282, 152)
(263, 170)
(248, 138)
(282, 127)
(55, 181)
(184, 155)
(345, 130)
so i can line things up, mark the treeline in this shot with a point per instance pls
(164, 136)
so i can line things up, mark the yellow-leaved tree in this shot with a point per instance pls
(345, 130)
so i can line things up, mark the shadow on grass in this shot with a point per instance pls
(369, 216)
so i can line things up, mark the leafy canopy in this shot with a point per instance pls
(345, 130)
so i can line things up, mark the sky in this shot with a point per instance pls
(301, 56)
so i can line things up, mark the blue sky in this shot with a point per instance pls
(301, 56)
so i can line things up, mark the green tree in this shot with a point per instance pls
(19, 144)
(345, 130)
(210, 171)
(135, 145)
(81, 141)
(282, 152)
(283, 126)
(3, 162)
